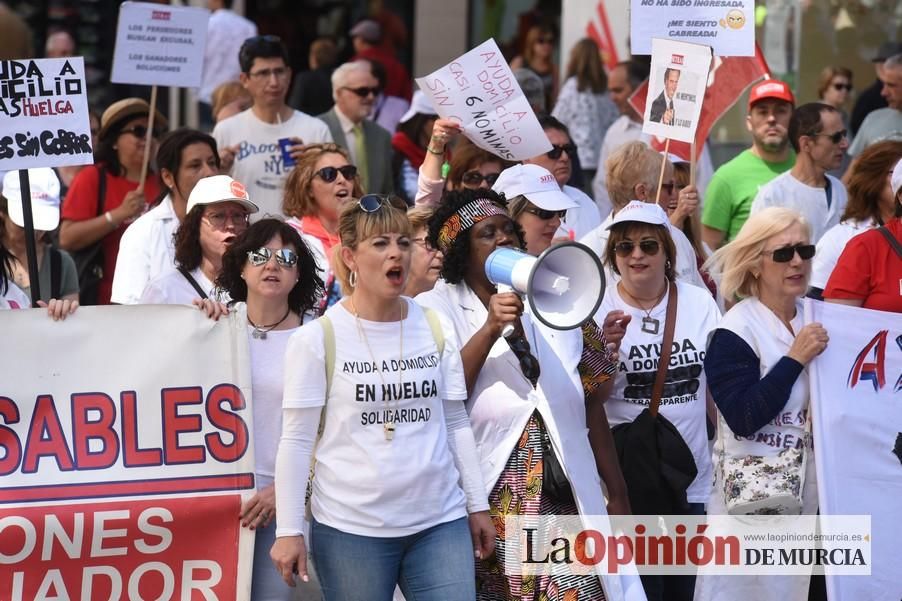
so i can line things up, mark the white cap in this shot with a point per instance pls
(219, 188)
(45, 198)
(536, 184)
(419, 104)
(896, 178)
(642, 212)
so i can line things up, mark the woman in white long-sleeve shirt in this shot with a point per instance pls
(396, 467)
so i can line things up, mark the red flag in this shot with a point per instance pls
(730, 77)
(604, 38)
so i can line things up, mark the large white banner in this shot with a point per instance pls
(125, 452)
(44, 114)
(160, 45)
(479, 91)
(728, 26)
(856, 389)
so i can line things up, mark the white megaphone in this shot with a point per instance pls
(563, 286)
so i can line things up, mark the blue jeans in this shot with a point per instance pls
(433, 565)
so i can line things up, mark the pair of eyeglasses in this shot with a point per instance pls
(363, 91)
(624, 248)
(475, 178)
(370, 203)
(839, 87)
(329, 174)
(545, 214)
(557, 149)
(424, 242)
(836, 138)
(545, 41)
(139, 131)
(218, 219)
(285, 257)
(668, 187)
(265, 74)
(529, 365)
(785, 254)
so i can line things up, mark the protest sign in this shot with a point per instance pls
(856, 392)
(728, 26)
(44, 114)
(125, 452)
(676, 88)
(160, 45)
(479, 91)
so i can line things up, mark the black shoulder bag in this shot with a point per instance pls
(892, 240)
(89, 260)
(187, 275)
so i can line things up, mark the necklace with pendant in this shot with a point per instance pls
(260, 331)
(650, 325)
(388, 428)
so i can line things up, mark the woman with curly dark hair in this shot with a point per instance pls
(525, 397)
(218, 211)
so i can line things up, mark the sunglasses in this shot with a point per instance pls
(668, 187)
(836, 138)
(839, 87)
(364, 91)
(625, 248)
(139, 131)
(557, 149)
(529, 365)
(370, 203)
(329, 174)
(475, 178)
(285, 257)
(265, 74)
(785, 254)
(545, 214)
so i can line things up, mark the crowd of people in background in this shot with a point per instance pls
(351, 223)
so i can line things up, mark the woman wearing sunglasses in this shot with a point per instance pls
(269, 268)
(642, 253)
(104, 200)
(317, 189)
(396, 467)
(538, 57)
(525, 395)
(217, 213)
(425, 259)
(755, 365)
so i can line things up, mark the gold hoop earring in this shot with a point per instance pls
(352, 279)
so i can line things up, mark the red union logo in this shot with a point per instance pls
(160, 15)
(546, 178)
(676, 59)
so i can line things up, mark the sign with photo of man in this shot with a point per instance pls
(676, 89)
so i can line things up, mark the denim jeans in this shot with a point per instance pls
(436, 564)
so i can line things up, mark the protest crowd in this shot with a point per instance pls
(356, 232)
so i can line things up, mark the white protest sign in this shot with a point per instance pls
(728, 26)
(676, 88)
(44, 114)
(160, 45)
(479, 91)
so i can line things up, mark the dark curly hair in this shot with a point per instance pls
(309, 287)
(457, 258)
(188, 253)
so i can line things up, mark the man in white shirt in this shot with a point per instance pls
(585, 216)
(249, 142)
(226, 30)
(819, 138)
(886, 123)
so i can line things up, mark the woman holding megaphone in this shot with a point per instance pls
(525, 395)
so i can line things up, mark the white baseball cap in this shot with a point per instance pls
(45, 198)
(219, 188)
(896, 178)
(642, 212)
(419, 104)
(536, 183)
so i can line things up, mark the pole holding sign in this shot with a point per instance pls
(479, 91)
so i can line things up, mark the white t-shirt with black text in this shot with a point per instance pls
(365, 484)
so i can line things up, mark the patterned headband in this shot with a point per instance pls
(466, 217)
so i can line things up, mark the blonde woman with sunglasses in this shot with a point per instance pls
(398, 496)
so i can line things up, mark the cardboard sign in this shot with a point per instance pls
(727, 26)
(676, 89)
(126, 452)
(479, 91)
(856, 394)
(160, 45)
(44, 118)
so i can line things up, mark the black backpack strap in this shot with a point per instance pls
(56, 275)
(193, 282)
(101, 190)
(892, 240)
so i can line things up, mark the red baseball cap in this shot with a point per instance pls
(771, 88)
